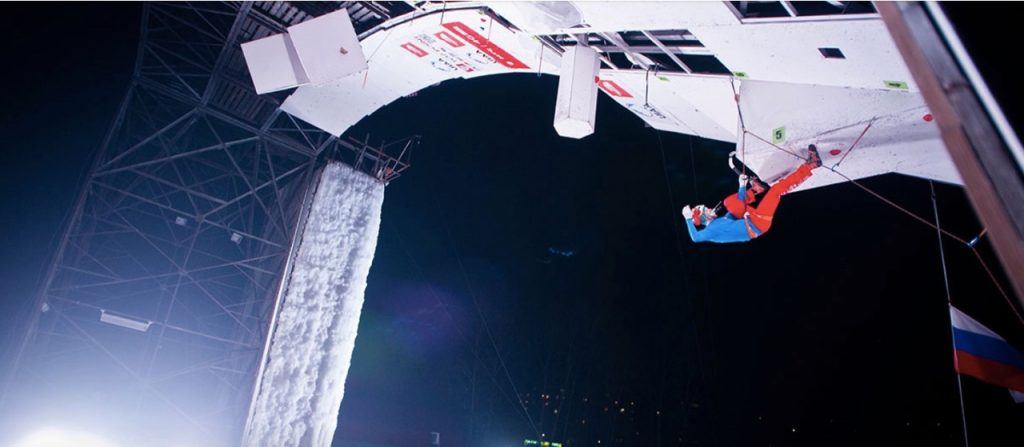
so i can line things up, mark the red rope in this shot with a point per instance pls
(870, 191)
(1002, 291)
(852, 147)
(959, 239)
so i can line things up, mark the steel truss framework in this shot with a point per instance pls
(156, 306)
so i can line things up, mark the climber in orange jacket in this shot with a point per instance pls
(742, 219)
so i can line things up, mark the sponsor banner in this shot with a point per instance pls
(489, 48)
(415, 50)
(449, 39)
(610, 87)
(448, 52)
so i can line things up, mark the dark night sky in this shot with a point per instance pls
(830, 330)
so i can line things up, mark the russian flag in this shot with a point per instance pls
(982, 354)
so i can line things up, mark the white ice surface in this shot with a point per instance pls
(902, 138)
(311, 347)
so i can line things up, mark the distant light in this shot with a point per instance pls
(125, 322)
(180, 221)
(236, 238)
(50, 437)
(541, 443)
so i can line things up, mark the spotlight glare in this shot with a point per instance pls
(51, 437)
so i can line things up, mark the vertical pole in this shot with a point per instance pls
(949, 303)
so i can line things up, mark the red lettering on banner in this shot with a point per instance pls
(449, 39)
(486, 46)
(415, 50)
(611, 88)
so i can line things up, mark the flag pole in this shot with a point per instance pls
(949, 303)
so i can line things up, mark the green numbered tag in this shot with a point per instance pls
(779, 135)
(897, 85)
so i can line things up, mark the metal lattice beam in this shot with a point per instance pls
(155, 309)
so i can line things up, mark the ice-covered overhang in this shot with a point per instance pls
(676, 65)
(414, 54)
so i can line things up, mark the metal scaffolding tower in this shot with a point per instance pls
(153, 315)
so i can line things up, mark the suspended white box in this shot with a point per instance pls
(273, 64)
(328, 47)
(576, 104)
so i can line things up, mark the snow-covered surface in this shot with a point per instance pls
(674, 102)
(415, 55)
(788, 52)
(872, 81)
(902, 136)
(303, 381)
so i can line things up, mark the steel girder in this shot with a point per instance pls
(154, 312)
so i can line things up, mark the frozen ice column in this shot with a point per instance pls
(303, 380)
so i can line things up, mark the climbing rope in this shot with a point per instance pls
(865, 188)
(855, 142)
(992, 277)
(743, 137)
(969, 244)
(743, 126)
(702, 372)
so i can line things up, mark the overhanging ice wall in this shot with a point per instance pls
(303, 380)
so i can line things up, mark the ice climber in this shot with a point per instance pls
(743, 215)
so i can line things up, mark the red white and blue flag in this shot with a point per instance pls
(984, 355)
